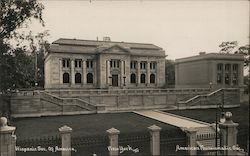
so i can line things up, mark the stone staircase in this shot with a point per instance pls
(66, 105)
(207, 100)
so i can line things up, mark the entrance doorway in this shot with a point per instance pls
(115, 80)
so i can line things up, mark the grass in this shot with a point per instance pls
(86, 125)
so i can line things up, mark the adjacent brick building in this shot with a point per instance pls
(72, 63)
(215, 70)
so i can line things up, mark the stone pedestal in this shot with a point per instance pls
(66, 139)
(154, 140)
(113, 141)
(7, 139)
(191, 140)
(228, 130)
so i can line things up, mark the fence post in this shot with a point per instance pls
(65, 132)
(7, 138)
(154, 139)
(191, 140)
(228, 131)
(113, 141)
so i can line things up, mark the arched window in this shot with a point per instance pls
(143, 78)
(78, 78)
(89, 78)
(152, 78)
(66, 78)
(133, 78)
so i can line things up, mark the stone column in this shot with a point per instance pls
(95, 73)
(148, 73)
(158, 73)
(240, 74)
(138, 73)
(108, 72)
(113, 141)
(65, 132)
(231, 74)
(228, 130)
(7, 138)
(191, 140)
(122, 73)
(72, 70)
(60, 72)
(84, 72)
(154, 140)
(213, 73)
(223, 74)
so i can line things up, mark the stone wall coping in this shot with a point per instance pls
(4, 128)
(154, 128)
(113, 131)
(65, 129)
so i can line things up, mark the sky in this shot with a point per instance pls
(182, 28)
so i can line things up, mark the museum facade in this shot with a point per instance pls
(211, 70)
(73, 63)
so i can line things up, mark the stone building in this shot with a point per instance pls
(72, 63)
(215, 70)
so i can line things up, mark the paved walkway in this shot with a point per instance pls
(172, 119)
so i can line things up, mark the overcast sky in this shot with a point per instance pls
(181, 28)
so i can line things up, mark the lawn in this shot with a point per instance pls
(85, 125)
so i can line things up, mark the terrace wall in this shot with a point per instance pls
(25, 104)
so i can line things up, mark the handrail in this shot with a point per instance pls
(206, 95)
(62, 100)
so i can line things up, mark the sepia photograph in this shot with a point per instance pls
(124, 77)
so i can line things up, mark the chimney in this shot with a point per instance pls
(106, 38)
(202, 52)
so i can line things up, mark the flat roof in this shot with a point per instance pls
(213, 56)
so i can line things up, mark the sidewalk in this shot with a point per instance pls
(172, 119)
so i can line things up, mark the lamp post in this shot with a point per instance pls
(210, 85)
(219, 107)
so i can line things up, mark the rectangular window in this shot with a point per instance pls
(235, 79)
(78, 63)
(227, 67)
(219, 67)
(65, 63)
(152, 65)
(235, 67)
(143, 65)
(89, 64)
(133, 64)
(115, 64)
(219, 78)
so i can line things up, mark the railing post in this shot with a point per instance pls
(228, 134)
(191, 138)
(113, 141)
(66, 140)
(154, 140)
(7, 139)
